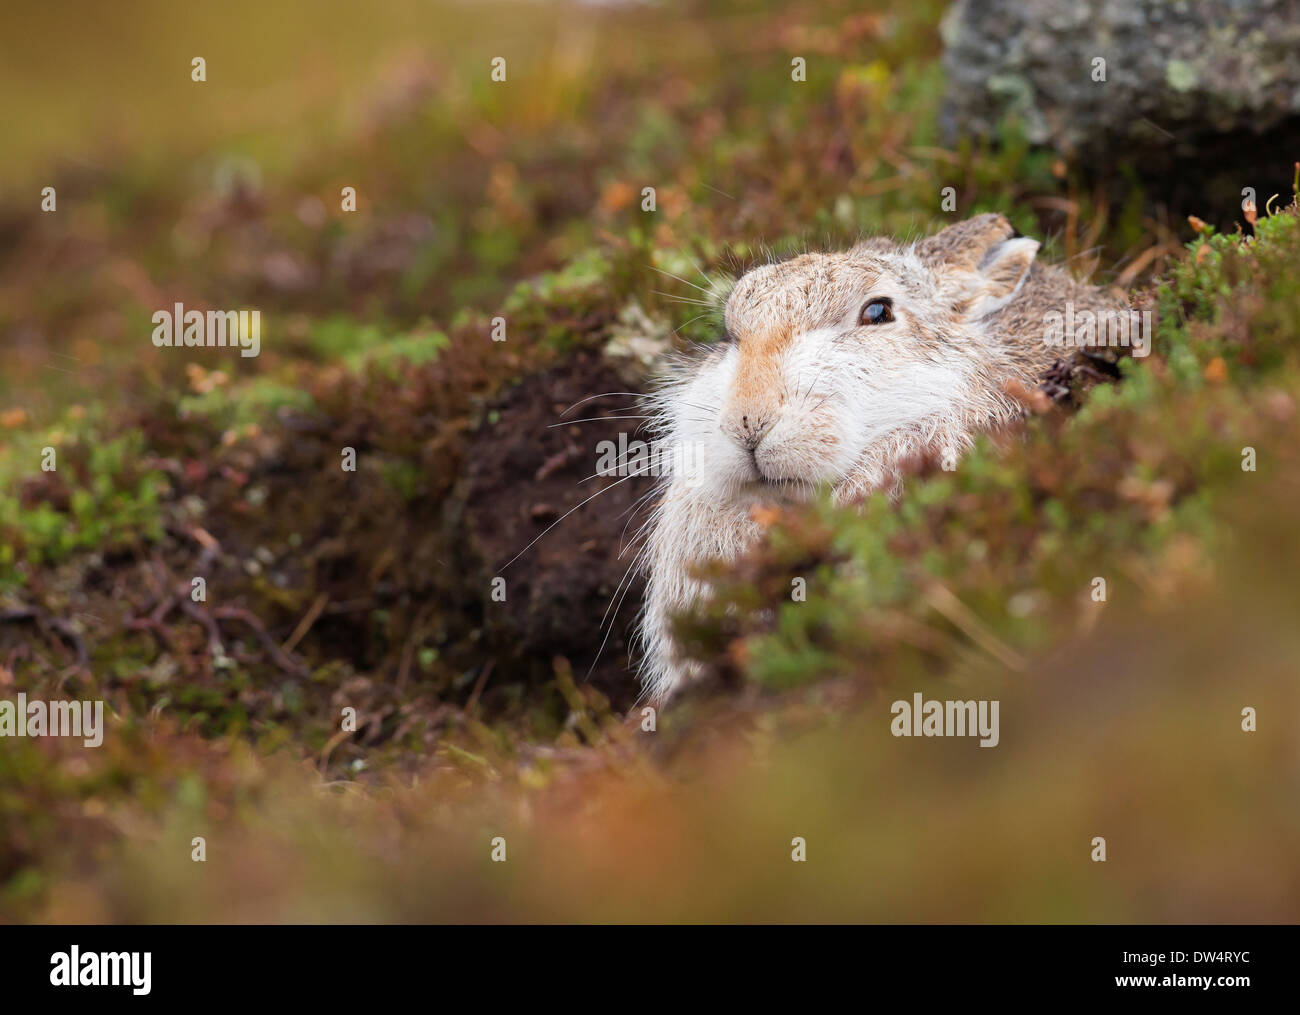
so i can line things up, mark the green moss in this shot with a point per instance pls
(101, 495)
(239, 404)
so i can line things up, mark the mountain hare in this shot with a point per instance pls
(838, 369)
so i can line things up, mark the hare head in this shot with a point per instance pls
(827, 355)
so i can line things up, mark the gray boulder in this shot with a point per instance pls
(1178, 74)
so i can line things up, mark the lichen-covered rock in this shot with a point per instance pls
(1123, 76)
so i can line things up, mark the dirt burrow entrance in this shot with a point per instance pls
(522, 475)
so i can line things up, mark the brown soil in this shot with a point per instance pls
(522, 475)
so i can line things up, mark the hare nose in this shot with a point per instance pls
(749, 431)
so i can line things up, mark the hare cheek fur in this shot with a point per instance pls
(810, 393)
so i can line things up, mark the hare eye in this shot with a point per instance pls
(877, 311)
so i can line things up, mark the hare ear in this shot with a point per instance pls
(981, 262)
(1001, 275)
(965, 245)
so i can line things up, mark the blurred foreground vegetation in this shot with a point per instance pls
(329, 590)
